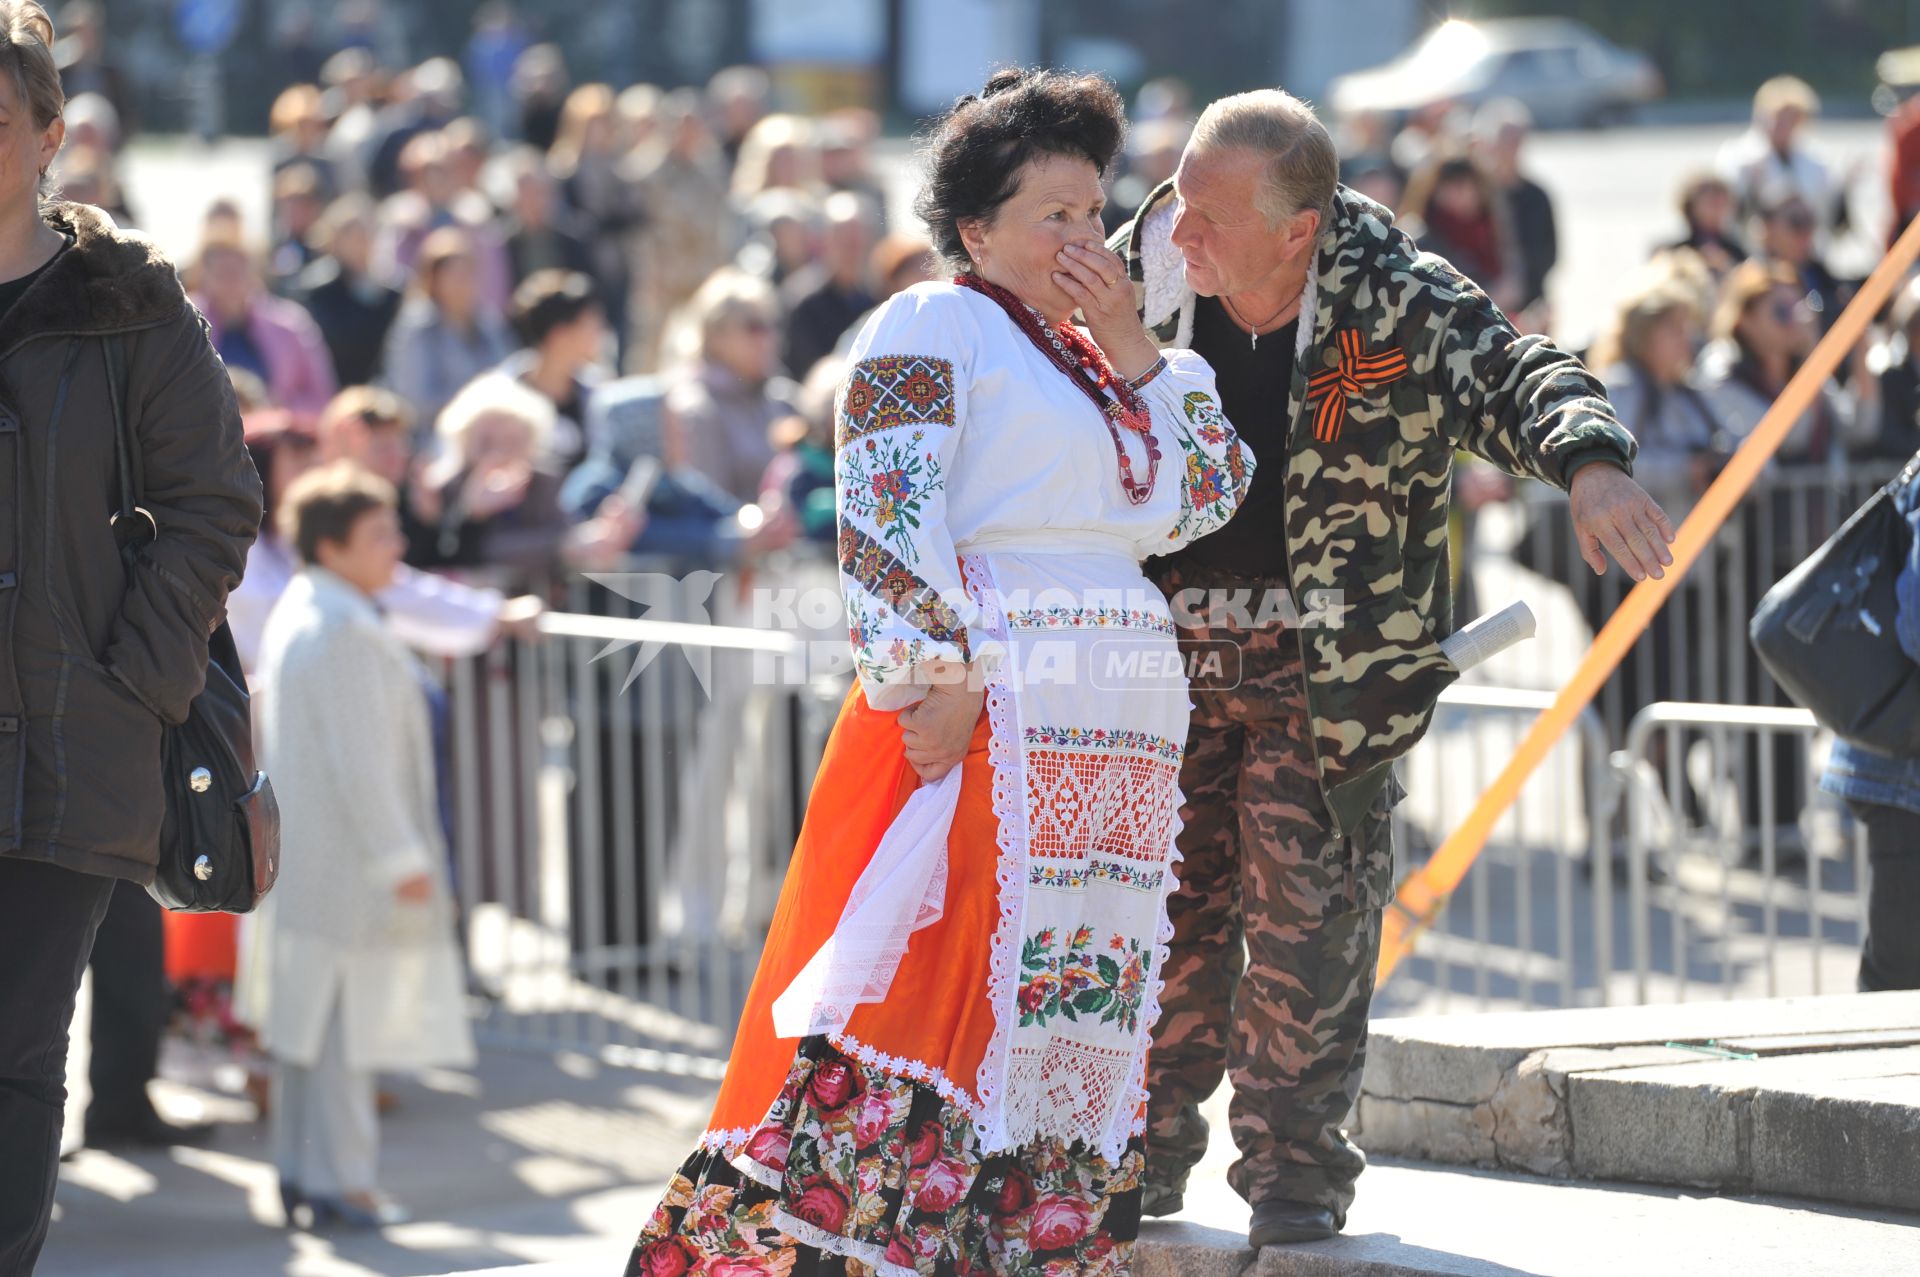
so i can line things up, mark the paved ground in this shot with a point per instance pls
(529, 1158)
(1415, 1219)
(532, 1160)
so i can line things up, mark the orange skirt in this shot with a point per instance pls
(936, 1012)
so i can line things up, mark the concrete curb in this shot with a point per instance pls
(1814, 1097)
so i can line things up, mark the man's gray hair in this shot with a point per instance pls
(1303, 166)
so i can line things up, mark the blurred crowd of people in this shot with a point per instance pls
(1706, 336)
(558, 285)
(582, 322)
(1702, 339)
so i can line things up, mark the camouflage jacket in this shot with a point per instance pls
(1401, 360)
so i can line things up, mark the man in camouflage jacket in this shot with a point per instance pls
(1397, 360)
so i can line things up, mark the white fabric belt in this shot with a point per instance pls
(1052, 541)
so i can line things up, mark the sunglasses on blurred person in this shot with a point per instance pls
(1788, 312)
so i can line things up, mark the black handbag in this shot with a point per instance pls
(1826, 631)
(220, 836)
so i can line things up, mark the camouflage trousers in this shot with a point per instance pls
(1276, 926)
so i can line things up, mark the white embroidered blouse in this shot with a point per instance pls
(955, 433)
(981, 510)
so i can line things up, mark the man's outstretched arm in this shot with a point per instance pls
(1533, 409)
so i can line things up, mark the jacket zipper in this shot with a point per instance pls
(1296, 398)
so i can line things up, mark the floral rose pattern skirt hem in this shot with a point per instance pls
(858, 1171)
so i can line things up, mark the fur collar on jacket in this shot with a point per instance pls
(107, 281)
(1158, 268)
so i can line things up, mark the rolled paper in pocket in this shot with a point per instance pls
(1486, 637)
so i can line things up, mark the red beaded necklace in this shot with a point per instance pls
(1068, 349)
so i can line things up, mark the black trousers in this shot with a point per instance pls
(131, 1001)
(1890, 955)
(48, 917)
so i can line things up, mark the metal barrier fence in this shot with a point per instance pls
(1698, 861)
(1697, 648)
(1747, 911)
(1531, 925)
(624, 796)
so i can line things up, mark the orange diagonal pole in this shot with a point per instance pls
(1420, 897)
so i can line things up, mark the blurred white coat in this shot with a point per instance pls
(346, 735)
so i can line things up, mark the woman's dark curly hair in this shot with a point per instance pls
(974, 156)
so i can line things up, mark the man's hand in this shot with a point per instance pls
(938, 729)
(1610, 510)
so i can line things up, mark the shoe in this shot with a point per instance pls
(291, 1200)
(1160, 1200)
(1280, 1220)
(357, 1216)
(260, 1091)
(149, 1132)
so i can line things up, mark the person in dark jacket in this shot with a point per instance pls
(542, 233)
(1500, 131)
(1453, 212)
(1897, 363)
(1883, 791)
(1787, 230)
(98, 656)
(830, 296)
(1706, 205)
(353, 308)
(559, 316)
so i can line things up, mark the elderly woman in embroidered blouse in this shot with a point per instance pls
(941, 1064)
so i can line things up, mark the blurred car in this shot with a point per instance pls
(1567, 74)
(1899, 72)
